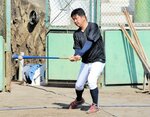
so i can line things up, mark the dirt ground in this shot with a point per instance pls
(46, 101)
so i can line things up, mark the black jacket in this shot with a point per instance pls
(91, 33)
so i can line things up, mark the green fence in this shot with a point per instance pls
(123, 65)
(61, 45)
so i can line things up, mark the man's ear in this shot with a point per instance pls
(84, 17)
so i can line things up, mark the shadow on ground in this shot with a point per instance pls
(66, 106)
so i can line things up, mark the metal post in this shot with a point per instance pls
(90, 13)
(47, 13)
(1, 65)
(96, 11)
(7, 42)
(8, 24)
(47, 25)
(46, 67)
(98, 14)
(144, 82)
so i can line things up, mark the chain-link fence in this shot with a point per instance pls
(2, 18)
(111, 12)
(60, 10)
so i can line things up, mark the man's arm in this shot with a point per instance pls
(86, 47)
(80, 52)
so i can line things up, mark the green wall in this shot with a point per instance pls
(61, 45)
(1, 63)
(122, 64)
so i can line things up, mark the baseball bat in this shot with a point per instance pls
(16, 56)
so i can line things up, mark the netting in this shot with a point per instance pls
(2, 18)
(60, 10)
(111, 12)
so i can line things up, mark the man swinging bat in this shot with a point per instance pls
(89, 46)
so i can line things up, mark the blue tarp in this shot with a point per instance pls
(29, 71)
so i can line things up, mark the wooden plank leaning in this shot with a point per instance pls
(135, 43)
(141, 50)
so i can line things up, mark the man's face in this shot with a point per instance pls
(78, 20)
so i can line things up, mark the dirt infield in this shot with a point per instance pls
(115, 101)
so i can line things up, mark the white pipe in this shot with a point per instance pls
(21, 64)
